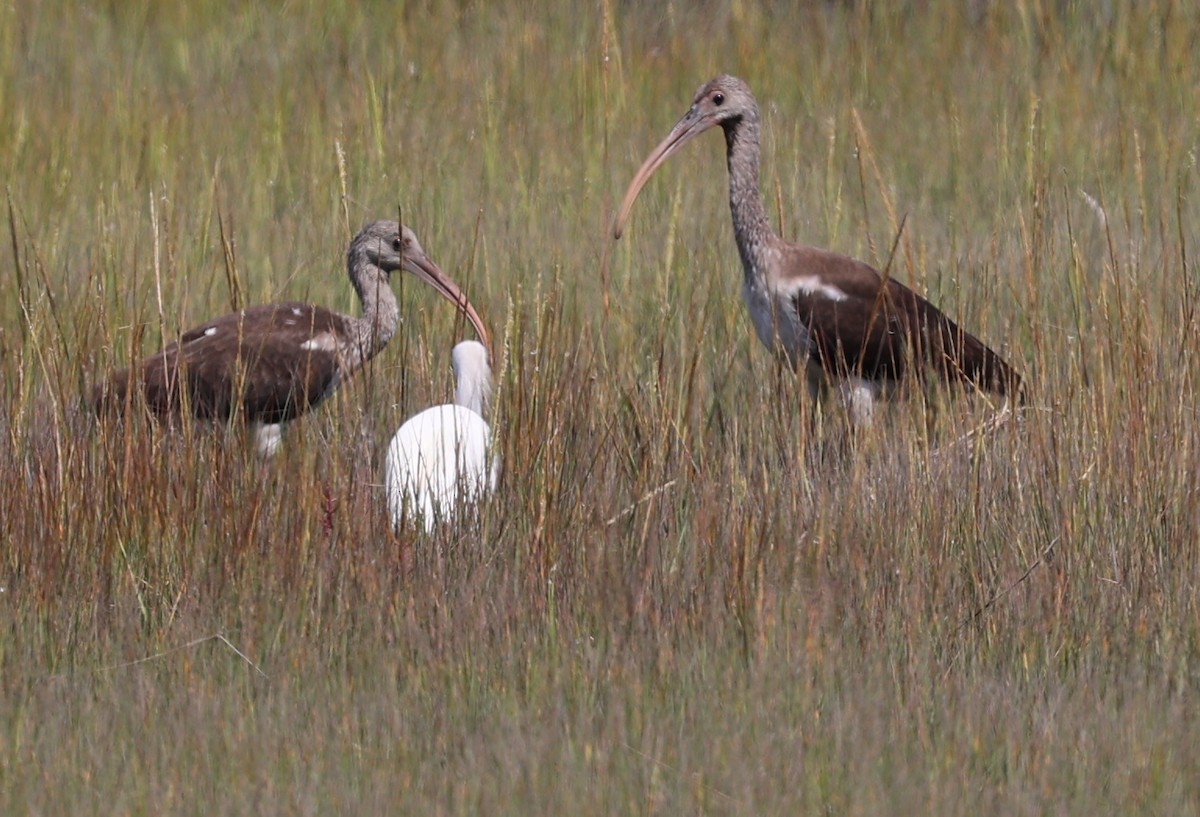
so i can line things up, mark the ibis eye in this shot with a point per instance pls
(718, 98)
(396, 244)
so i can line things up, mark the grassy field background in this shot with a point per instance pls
(687, 595)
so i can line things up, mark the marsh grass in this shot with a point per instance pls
(692, 593)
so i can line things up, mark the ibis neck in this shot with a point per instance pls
(750, 225)
(380, 312)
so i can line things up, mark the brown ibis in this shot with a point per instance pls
(842, 320)
(270, 364)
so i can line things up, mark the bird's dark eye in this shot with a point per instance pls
(718, 98)
(396, 244)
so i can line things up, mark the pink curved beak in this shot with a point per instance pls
(424, 268)
(691, 125)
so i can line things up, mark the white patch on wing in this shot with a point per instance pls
(324, 342)
(813, 285)
(210, 331)
(296, 311)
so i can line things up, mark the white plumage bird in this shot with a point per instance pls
(440, 460)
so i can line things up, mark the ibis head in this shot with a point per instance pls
(724, 101)
(391, 246)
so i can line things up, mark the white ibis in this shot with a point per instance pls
(440, 460)
(837, 316)
(270, 364)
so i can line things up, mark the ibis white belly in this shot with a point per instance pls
(780, 329)
(776, 322)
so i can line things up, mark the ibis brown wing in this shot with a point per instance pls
(268, 363)
(879, 330)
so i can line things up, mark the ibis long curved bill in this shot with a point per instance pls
(695, 122)
(423, 267)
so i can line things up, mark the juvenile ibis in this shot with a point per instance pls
(440, 460)
(270, 364)
(838, 317)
